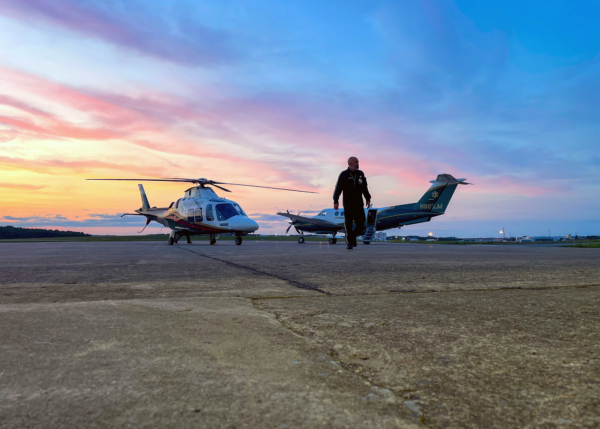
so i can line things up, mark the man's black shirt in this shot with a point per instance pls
(354, 185)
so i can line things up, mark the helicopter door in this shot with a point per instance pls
(199, 215)
(210, 216)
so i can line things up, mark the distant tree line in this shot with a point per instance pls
(8, 232)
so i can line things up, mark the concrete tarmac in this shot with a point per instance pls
(277, 334)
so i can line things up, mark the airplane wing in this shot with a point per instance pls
(312, 220)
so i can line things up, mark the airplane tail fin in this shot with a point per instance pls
(438, 196)
(145, 203)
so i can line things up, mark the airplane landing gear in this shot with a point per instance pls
(332, 240)
(171, 241)
(238, 240)
(301, 240)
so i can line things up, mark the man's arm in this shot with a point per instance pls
(337, 192)
(365, 191)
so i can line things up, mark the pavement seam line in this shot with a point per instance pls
(291, 282)
(517, 288)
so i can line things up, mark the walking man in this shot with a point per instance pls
(353, 184)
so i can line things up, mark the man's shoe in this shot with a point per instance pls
(349, 247)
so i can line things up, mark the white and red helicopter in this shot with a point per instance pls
(200, 211)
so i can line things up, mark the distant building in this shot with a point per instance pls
(380, 236)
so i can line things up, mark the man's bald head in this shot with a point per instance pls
(353, 163)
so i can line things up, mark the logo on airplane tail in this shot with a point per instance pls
(435, 194)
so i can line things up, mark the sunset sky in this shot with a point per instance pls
(281, 93)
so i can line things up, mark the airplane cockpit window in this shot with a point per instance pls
(190, 215)
(225, 211)
(239, 209)
(209, 213)
(322, 213)
(198, 215)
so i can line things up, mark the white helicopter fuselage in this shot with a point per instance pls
(201, 211)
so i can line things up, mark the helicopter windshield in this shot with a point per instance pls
(225, 211)
(239, 209)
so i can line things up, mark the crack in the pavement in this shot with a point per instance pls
(350, 367)
(404, 396)
(291, 282)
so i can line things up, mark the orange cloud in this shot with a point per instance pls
(20, 186)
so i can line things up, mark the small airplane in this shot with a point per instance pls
(331, 222)
(200, 211)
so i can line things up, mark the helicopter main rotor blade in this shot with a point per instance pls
(154, 180)
(265, 187)
(210, 183)
(220, 187)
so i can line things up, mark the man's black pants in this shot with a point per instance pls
(354, 215)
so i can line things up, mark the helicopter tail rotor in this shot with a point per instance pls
(148, 220)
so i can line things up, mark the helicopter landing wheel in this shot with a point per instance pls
(171, 241)
(238, 240)
(332, 240)
(301, 240)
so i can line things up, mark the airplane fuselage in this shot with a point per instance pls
(387, 218)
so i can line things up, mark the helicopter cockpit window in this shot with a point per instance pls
(190, 215)
(198, 215)
(209, 213)
(177, 203)
(225, 211)
(239, 209)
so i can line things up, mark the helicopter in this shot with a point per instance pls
(331, 221)
(200, 211)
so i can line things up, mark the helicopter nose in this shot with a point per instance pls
(243, 223)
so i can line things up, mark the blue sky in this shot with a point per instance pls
(274, 93)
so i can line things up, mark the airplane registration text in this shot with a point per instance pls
(431, 206)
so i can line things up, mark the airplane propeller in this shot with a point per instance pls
(293, 223)
(203, 182)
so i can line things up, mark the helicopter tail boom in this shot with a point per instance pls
(145, 203)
